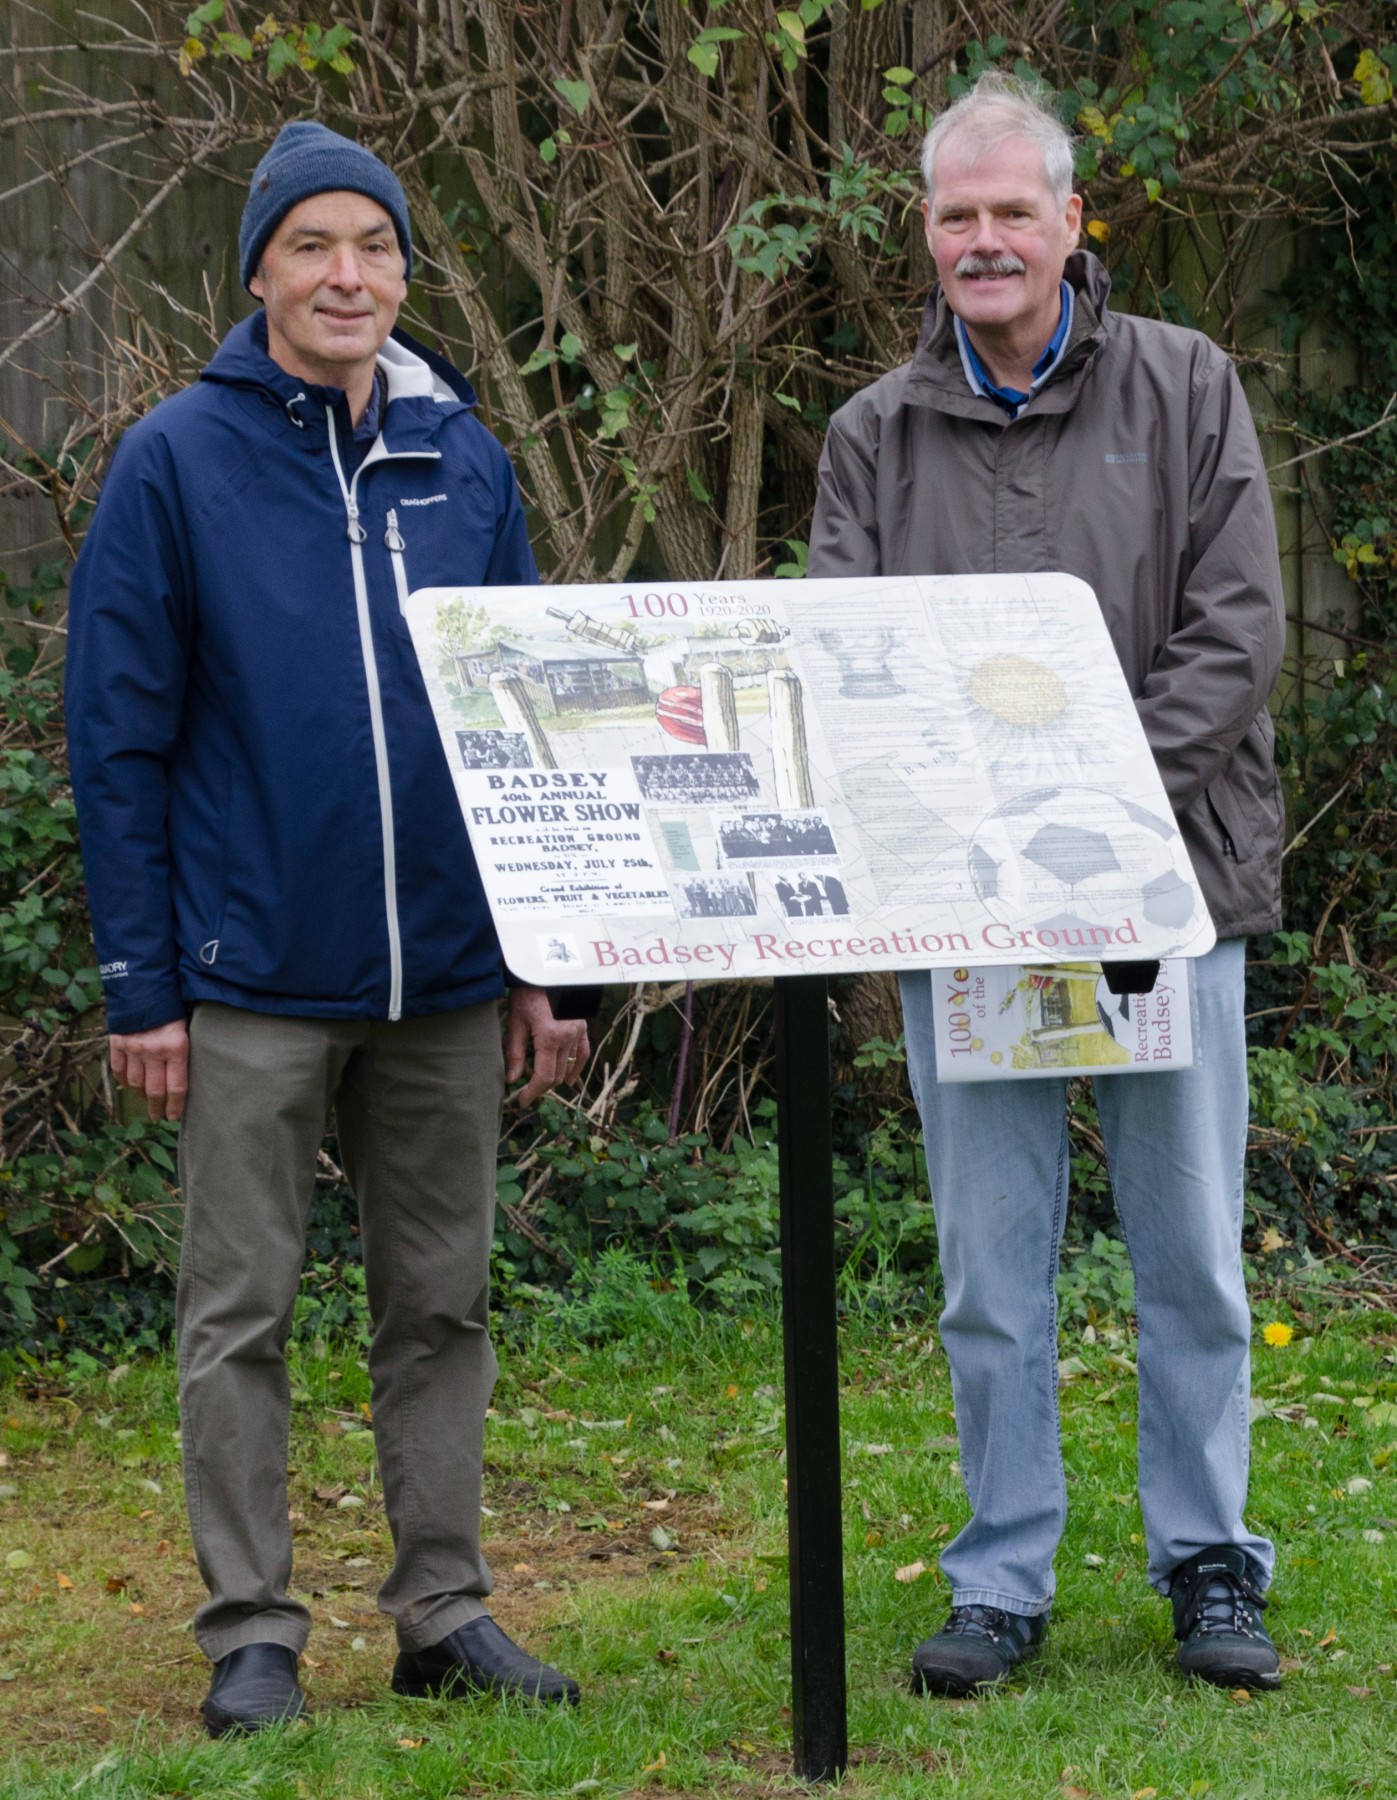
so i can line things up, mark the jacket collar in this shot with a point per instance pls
(936, 375)
(422, 387)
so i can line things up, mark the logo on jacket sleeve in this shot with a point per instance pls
(1128, 456)
(431, 500)
(114, 971)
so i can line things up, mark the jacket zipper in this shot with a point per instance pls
(394, 540)
(357, 535)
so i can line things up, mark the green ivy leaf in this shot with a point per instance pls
(570, 346)
(207, 14)
(281, 56)
(697, 489)
(576, 93)
(548, 150)
(540, 359)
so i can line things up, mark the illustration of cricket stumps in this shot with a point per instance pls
(789, 749)
(517, 713)
(720, 726)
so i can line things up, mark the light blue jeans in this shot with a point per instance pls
(998, 1164)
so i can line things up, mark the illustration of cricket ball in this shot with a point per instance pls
(679, 711)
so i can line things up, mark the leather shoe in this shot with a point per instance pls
(252, 1687)
(479, 1656)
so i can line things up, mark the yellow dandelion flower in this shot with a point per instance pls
(1278, 1335)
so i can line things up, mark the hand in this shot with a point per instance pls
(560, 1045)
(156, 1064)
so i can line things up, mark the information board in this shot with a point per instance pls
(738, 779)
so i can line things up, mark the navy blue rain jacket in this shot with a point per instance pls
(266, 814)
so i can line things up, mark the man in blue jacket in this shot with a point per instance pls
(286, 909)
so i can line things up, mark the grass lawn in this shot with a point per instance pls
(637, 1534)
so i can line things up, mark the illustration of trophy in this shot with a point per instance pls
(863, 663)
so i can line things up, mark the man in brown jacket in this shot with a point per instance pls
(1034, 429)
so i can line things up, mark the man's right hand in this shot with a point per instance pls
(155, 1063)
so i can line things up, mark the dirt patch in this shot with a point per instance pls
(96, 1631)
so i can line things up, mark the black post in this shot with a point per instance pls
(819, 1725)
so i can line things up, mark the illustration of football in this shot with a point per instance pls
(679, 711)
(1101, 855)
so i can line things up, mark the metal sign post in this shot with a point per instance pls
(819, 1727)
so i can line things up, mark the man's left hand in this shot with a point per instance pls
(560, 1046)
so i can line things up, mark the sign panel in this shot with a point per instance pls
(769, 778)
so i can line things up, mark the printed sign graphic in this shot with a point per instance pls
(768, 778)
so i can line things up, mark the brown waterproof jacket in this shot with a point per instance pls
(1136, 468)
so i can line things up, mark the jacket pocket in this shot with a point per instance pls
(1230, 818)
(394, 540)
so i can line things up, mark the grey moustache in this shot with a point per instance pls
(973, 264)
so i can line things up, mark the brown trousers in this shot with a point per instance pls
(417, 1103)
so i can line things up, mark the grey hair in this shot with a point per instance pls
(999, 107)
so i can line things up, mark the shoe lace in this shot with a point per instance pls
(978, 1621)
(1225, 1603)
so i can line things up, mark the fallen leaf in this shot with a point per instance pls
(1240, 1696)
(732, 1390)
(666, 1656)
(138, 1609)
(939, 1531)
(1094, 1562)
(1372, 1536)
(163, 1547)
(411, 1743)
(62, 1579)
(1291, 1665)
(872, 1540)
(1330, 1636)
(1271, 1241)
(116, 1584)
(1075, 1793)
(655, 1505)
(1360, 1693)
(346, 1501)
(359, 1643)
(339, 1624)
(909, 1571)
(662, 1539)
(661, 1761)
(523, 1569)
(1145, 1794)
(1357, 1484)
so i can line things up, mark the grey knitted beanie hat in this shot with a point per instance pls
(305, 159)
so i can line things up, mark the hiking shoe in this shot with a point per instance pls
(252, 1687)
(479, 1656)
(1217, 1620)
(975, 1649)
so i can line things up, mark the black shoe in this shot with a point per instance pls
(479, 1656)
(252, 1687)
(1217, 1620)
(975, 1649)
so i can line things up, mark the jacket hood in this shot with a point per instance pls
(412, 370)
(936, 374)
